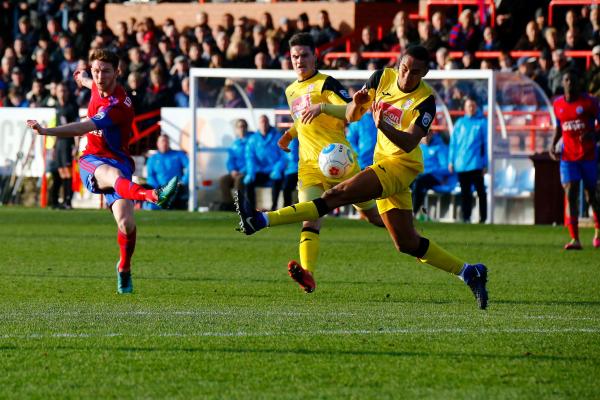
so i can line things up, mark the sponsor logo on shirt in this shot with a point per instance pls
(391, 114)
(574, 125)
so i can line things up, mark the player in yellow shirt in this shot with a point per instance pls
(317, 123)
(403, 110)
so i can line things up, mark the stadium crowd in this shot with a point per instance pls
(46, 41)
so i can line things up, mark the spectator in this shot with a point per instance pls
(136, 62)
(195, 57)
(593, 75)
(559, 67)
(401, 22)
(123, 40)
(551, 37)
(468, 61)
(368, 43)
(435, 173)
(67, 67)
(37, 95)
(17, 81)
(179, 71)
(265, 162)
(464, 35)
(427, 39)
(163, 166)
(259, 40)
(15, 98)
(229, 97)
(540, 21)
(236, 166)
(362, 135)
(532, 39)
(238, 54)
(303, 24)
(526, 66)
(22, 55)
(273, 52)
(135, 91)
(593, 35)
(442, 58)
(158, 93)
(227, 23)
(439, 27)
(65, 149)
(489, 43)
(573, 40)
(506, 62)
(266, 20)
(324, 32)
(285, 32)
(79, 41)
(27, 33)
(182, 98)
(468, 158)
(42, 68)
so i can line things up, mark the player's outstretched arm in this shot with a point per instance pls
(69, 130)
(406, 140)
(361, 101)
(82, 79)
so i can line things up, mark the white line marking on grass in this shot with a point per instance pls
(338, 332)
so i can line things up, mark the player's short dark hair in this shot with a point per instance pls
(302, 39)
(418, 52)
(105, 55)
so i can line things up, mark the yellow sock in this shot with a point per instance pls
(441, 259)
(306, 211)
(309, 249)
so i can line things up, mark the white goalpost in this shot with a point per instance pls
(484, 80)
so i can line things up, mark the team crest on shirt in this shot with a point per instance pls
(579, 110)
(427, 118)
(99, 116)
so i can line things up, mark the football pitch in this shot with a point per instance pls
(214, 314)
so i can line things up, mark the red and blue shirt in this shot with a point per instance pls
(576, 120)
(113, 117)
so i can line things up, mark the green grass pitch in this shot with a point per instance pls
(214, 314)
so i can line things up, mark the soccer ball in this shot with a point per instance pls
(336, 160)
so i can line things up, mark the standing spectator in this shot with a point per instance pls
(576, 113)
(593, 75)
(468, 158)
(236, 166)
(67, 111)
(464, 35)
(265, 162)
(163, 166)
(435, 172)
(362, 135)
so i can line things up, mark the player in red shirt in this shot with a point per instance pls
(106, 166)
(576, 112)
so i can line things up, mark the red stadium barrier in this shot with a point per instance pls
(137, 134)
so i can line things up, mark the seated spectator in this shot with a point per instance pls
(573, 40)
(559, 68)
(303, 23)
(179, 71)
(136, 62)
(401, 22)
(135, 90)
(468, 158)
(284, 33)
(362, 136)
(593, 74)
(182, 98)
(439, 27)
(551, 37)
(158, 93)
(265, 162)
(16, 99)
(368, 42)
(324, 32)
(259, 40)
(469, 61)
(593, 35)
(427, 39)
(527, 66)
(236, 166)
(540, 21)
(489, 43)
(230, 98)
(17, 81)
(532, 39)
(435, 173)
(464, 35)
(38, 94)
(506, 62)
(163, 166)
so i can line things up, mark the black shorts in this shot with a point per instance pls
(64, 152)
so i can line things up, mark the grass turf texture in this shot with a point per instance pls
(214, 314)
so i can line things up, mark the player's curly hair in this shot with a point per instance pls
(105, 55)
(302, 39)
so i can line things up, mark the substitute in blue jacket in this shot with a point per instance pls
(362, 135)
(435, 174)
(236, 165)
(265, 162)
(163, 166)
(468, 158)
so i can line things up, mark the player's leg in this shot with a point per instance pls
(122, 210)
(570, 176)
(113, 175)
(360, 188)
(368, 212)
(466, 195)
(399, 223)
(67, 185)
(479, 183)
(590, 177)
(226, 182)
(290, 182)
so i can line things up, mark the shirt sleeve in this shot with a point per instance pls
(105, 118)
(426, 113)
(374, 79)
(334, 92)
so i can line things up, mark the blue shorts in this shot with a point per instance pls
(87, 167)
(574, 171)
